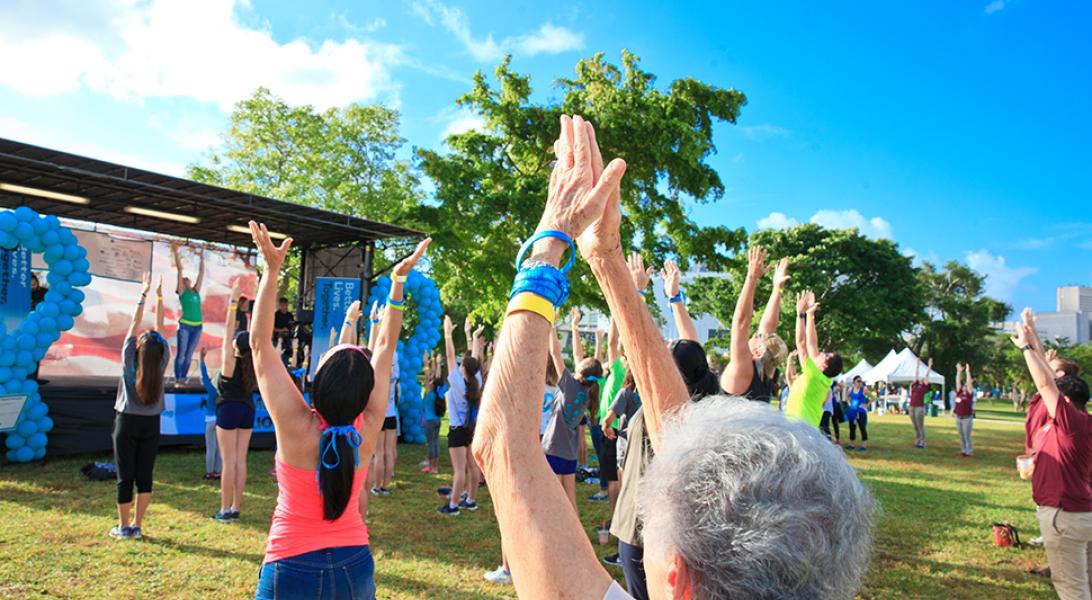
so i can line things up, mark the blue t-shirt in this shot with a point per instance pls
(210, 392)
(430, 403)
(856, 399)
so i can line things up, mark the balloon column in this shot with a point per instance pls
(422, 293)
(23, 348)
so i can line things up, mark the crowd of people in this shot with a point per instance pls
(713, 493)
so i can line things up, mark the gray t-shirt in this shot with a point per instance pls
(128, 401)
(570, 402)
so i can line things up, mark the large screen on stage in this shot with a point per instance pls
(118, 259)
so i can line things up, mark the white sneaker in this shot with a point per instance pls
(500, 576)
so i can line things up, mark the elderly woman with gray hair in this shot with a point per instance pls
(737, 503)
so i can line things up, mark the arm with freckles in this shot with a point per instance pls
(737, 377)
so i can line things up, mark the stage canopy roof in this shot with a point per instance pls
(76, 187)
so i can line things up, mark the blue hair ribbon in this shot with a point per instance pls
(328, 442)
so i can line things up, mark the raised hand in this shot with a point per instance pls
(812, 304)
(781, 274)
(574, 315)
(146, 283)
(1051, 355)
(1021, 339)
(353, 312)
(756, 262)
(159, 286)
(374, 316)
(638, 272)
(479, 330)
(802, 302)
(403, 268)
(670, 274)
(272, 254)
(449, 327)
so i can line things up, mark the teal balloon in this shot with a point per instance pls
(24, 454)
(37, 412)
(8, 221)
(65, 322)
(45, 424)
(27, 428)
(61, 267)
(23, 231)
(37, 441)
(25, 214)
(15, 441)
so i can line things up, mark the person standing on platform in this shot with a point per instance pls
(918, 391)
(189, 324)
(138, 406)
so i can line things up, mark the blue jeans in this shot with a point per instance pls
(189, 338)
(346, 573)
(633, 566)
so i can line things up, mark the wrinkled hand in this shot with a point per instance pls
(403, 268)
(272, 254)
(781, 274)
(670, 274)
(756, 262)
(638, 272)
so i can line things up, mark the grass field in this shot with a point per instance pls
(933, 539)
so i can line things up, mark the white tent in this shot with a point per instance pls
(861, 368)
(900, 368)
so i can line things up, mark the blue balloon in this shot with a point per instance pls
(45, 424)
(19, 372)
(24, 358)
(29, 327)
(10, 455)
(23, 232)
(81, 264)
(15, 441)
(27, 428)
(67, 237)
(39, 454)
(77, 296)
(38, 411)
(52, 253)
(40, 226)
(50, 309)
(68, 307)
(71, 252)
(50, 238)
(54, 297)
(30, 386)
(25, 214)
(61, 267)
(7, 358)
(37, 441)
(26, 341)
(63, 287)
(52, 222)
(8, 221)
(8, 241)
(24, 454)
(81, 278)
(45, 338)
(65, 322)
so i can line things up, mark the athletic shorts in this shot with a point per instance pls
(561, 466)
(390, 423)
(234, 415)
(459, 437)
(608, 459)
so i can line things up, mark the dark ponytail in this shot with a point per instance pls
(471, 368)
(149, 372)
(339, 394)
(590, 372)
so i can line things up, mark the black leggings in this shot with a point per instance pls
(862, 422)
(828, 421)
(136, 442)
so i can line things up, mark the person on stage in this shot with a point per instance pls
(136, 424)
(189, 324)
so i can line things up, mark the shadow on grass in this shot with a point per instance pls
(169, 544)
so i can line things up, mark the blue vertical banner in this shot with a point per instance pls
(14, 287)
(333, 295)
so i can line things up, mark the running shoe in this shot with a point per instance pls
(1036, 541)
(120, 532)
(223, 516)
(375, 491)
(598, 497)
(850, 447)
(613, 560)
(135, 533)
(468, 505)
(446, 509)
(384, 491)
(425, 469)
(862, 449)
(500, 576)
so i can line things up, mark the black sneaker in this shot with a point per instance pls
(468, 505)
(613, 560)
(448, 510)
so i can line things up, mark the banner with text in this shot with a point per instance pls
(333, 295)
(14, 287)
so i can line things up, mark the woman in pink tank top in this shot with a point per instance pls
(318, 542)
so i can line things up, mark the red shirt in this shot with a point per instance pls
(1063, 458)
(917, 393)
(964, 404)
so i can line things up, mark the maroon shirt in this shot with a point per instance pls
(965, 407)
(917, 393)
(1063, 455)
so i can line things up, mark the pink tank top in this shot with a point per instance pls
(298, 526)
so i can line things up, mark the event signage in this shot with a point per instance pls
(184, 414)
(333, 295)
(111, 256)
(10, 407)
(14, 286)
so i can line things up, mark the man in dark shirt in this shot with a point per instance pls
(1059, 432)
(283, 320)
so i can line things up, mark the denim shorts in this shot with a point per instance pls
(328, 574)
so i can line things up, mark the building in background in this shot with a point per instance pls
(1071, 322)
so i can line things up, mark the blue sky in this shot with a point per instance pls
(958, 129)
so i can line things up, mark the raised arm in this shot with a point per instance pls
(737, 377)
(138, 310)
(449, 344)
(227, 348)
(813, 333)
(917, 370)
(374, 330)
(200, 270)
(970, 381)
(348, 328)
(599, 333)
(160, 314)
(555, 353)
(532, 510)
(578, 346)
(801, 326)
(282, 398)
(1028, 318)
(1040, 370)
(958, 376)
(177, 267)
(478, 347)
(790, 367)
(684, 323)
(772, 315)
(614, 342)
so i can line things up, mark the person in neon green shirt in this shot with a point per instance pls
(818, 369)
(189, 324)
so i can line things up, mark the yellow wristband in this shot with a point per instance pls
(534, 303)
(232, 306)
(401, 307)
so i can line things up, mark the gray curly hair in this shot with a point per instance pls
(756, 506)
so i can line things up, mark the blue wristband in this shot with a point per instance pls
(396, 303)
(549, 233)
(545, 281)
(680, 297)
(643, 293)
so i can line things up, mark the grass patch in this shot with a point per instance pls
(933, 539)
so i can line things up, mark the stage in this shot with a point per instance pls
(83, 413)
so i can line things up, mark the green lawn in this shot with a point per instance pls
(933, 539)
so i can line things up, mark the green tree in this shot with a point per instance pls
(958, 324)
(868, 291)
(491, 186)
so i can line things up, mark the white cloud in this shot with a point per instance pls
(994, 7)
(461, 121)
(777, 220)
(549, 39)
(369, 27)
(761, 133)
(875, 227)
(195, 49)
(1001, 279)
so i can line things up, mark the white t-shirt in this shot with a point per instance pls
(615, 592)
(392, 408)
(547, 407)
(458, 409)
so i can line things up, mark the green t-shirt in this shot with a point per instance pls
(191, 307)
(610, 388)
(808, 393)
